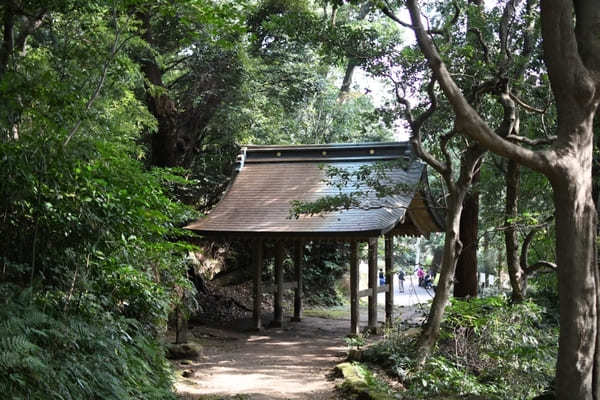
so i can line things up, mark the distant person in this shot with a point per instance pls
(381, 277)
(427, 281)
(420, 275)
(401, 281)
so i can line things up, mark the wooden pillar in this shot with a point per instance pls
(389, 279)
(354, 279)
(298, 258)
(257, 292)
(278, 288)
(181, 326)
(373, 284)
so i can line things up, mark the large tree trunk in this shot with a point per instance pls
(465, 277)
(577, 366)
(515, 272)
(164, 140)
(572, 54)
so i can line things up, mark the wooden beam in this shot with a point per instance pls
(257, 289)
(278, 293)
(354, 278)
(298, 257)
(367, 292)
(269, 287)
(389, 279)
(372, 258)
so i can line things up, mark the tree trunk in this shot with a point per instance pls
(160, 105)
(436, 262)
(181, 326)
(8, 39)
(515, 272)
(577, 366)
(465, 277)
(499, 269)
(345, 89)
(352, 63)
(452, 249)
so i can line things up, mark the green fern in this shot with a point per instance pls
(9, 359)
(73, 358)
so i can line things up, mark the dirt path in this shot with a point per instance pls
(290, 363)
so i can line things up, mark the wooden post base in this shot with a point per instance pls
(277, 324)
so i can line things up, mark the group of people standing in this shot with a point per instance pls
(426, 279)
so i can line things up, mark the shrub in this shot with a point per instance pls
(487, 347)
(89, 271)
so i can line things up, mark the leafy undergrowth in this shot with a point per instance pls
(488, 347)
(45, 355)
(89, 270)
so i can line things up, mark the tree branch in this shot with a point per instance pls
(503, 32)
(31, 27)
(175, 63)
(386, 10)
(432, 105)
(541, 264)
(529, 29)
(390, 14)
(527, 242)
(468, 120)
(526, 106)
(444, 140)
(484, 46)
(415, 126)
(510, 119)
(531, 142)
(116, 46)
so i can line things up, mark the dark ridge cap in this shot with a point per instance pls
(324, 152)
(346, 146)
(332, 159)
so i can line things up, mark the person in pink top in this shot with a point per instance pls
(420, 275)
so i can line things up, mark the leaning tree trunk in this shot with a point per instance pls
(452, 249)
(452, 246)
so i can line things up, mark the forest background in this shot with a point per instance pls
(120, 121)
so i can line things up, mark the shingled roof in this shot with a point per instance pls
(269, 178)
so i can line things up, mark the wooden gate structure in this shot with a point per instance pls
(257, 204)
